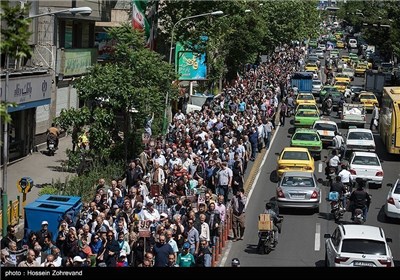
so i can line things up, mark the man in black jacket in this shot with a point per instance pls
(359, 198)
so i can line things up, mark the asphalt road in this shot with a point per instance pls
(301, 243)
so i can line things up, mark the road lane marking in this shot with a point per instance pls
(222, 263)
(317, 242)
(320, 167)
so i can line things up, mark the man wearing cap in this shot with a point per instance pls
(78, 261)
(185, 258)
(43, 232)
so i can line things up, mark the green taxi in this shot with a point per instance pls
(326, 90)
(305, 118)
(308, 138)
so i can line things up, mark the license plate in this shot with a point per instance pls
(298, 196)
(51, 146)
(363, 264)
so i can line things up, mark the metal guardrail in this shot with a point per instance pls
(222, 239)
(13, 213)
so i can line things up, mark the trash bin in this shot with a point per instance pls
(74, 201)
(52, 208)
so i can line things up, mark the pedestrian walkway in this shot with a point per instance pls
(43, 169)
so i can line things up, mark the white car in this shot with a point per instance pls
(326, 130)
(360, 139)
(358, 246)
(392, 206)
(366, 166)
(320, 53)
(316, 87)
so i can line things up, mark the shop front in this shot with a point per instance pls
(27, 93)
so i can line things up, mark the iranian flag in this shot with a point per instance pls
(139, 20)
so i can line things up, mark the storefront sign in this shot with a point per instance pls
(26, 89)
(77, 61)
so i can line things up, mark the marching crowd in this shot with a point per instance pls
(170, 205)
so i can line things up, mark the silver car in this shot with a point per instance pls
(297, 189)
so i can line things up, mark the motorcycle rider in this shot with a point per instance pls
(359, 198)
(339, 187)
(276, 221)
(327, 104)
(52, 133)
(338, 143)
(332, 162)
(345, 177)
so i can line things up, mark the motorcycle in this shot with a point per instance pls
(358, 216)
(266, 242)
(327, 108)
(51, 146)
(337, 208)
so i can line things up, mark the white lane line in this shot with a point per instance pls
(320, 167)
(317, 243)
(226, 252)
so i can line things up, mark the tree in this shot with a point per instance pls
(15, 33)
(120, 95)
(237, 38)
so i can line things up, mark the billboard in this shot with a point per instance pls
(191, 65)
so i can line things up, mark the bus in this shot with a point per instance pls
(389, 119)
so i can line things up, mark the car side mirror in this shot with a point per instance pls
(327, 235)
(388, 239)
(389, 185)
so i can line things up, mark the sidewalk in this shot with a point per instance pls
(43, 169)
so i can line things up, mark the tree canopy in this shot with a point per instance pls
(120, 96)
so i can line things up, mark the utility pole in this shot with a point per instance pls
(4, 198)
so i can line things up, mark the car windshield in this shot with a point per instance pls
(397, 190)
(356, 89)
(364, 246)
(360, 136)
(306, 137)
(292, 155)
(325, 126)
(307, 114)
(305, 97)
(367, 96)
(365, 160)
(297, 181)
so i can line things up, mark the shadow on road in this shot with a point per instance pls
(384, 219)
(320, 263)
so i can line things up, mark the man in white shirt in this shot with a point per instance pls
(345, 177)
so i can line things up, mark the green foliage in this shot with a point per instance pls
(85, 185)
(237, 38)
(14, 31)
(49, 189)
(137, 78)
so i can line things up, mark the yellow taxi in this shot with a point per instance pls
(294, 159)
(341, 86)
(341, 77)
(345, 58)
(307, 106)
(360, 69)
(311, 67)
(305, 98)
(340, 44)
(368, 99)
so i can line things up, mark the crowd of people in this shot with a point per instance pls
(169, 207)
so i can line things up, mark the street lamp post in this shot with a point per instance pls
(79, 10)
(216, 13)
